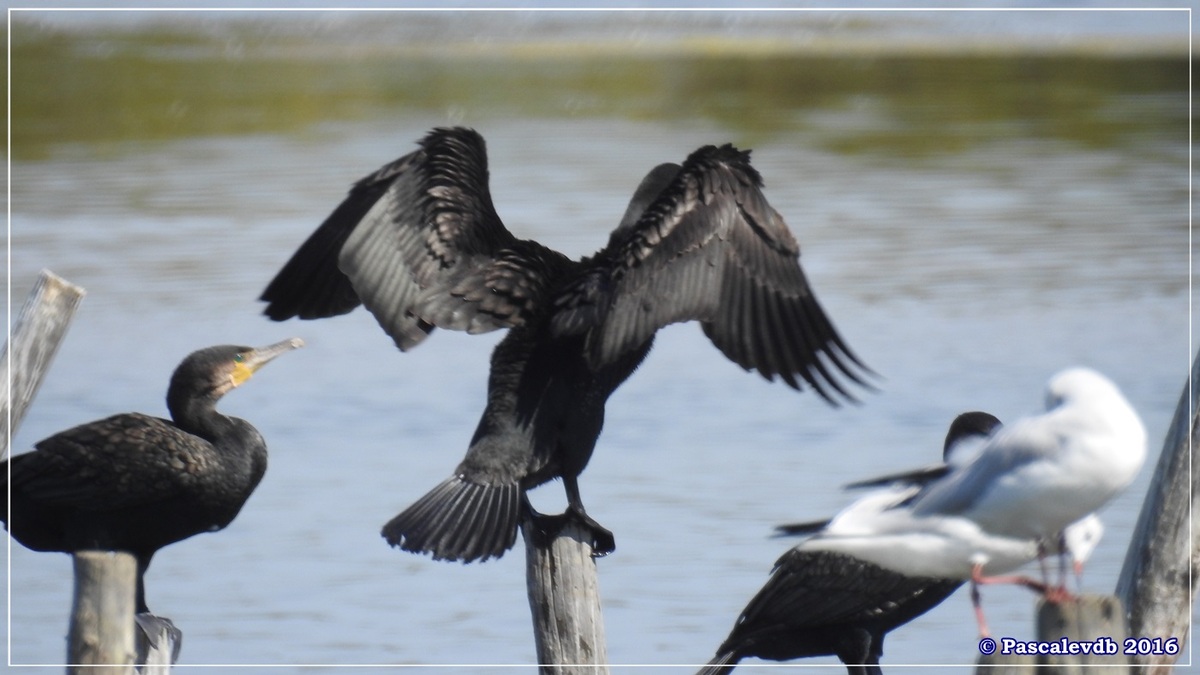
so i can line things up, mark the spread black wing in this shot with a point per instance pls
(421, 246)
(711, 248)
(310, 285)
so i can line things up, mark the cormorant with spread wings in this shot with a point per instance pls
(419, 244)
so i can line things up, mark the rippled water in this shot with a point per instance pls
(964, 278)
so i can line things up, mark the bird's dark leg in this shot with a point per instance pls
(603, 542)
(143, 563)
(153, 627)
(547, 527)
(860, 653)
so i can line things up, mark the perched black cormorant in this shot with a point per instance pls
(419, 243)
(820, 603)
(135, 483)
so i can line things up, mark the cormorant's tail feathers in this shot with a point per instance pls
(459, 520)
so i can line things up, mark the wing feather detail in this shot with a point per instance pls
(90, 467)
(419, 243)
(815, 590)
(311, 285)
(711, 248)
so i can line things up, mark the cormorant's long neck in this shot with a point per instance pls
(197, 414)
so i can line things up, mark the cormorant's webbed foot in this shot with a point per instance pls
(156, 629)
(602, 542)
(546, 528)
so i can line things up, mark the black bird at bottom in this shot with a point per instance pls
(822, 603)
(136, 483)
(419, 244)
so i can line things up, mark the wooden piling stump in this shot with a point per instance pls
(1078, 634)
(1156, 583)
(564, 598)
(1098, 619)
(36, 334)
(101, 632)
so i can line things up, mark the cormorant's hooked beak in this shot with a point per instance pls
(247, 363)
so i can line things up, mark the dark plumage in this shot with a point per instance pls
(136, 483)
(420, 245)
(821, 603)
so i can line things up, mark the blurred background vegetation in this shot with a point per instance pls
(106, 82)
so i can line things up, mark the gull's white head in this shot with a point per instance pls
(1080, 385)
(1090, 403)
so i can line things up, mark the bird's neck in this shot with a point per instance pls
(199, 416)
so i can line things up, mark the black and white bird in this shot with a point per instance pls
(1028, 482)
(966, 436)
(880, 563)
(820, 603)
(420, 245)
(1011, 502)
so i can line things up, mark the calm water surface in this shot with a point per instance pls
(965, 278)
(965, 281)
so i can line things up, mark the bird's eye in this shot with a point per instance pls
(238, 358)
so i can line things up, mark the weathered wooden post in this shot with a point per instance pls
(564, 598)
(1156, 584)
(1095, 619)
(101, 632)
(39, 329)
